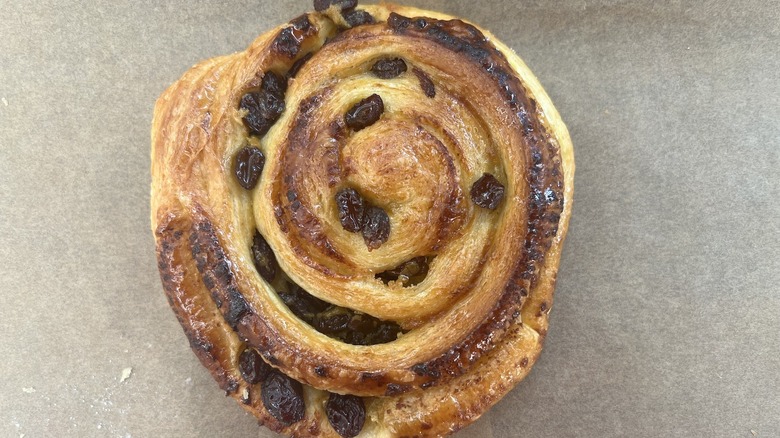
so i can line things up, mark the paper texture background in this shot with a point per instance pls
(667, 313)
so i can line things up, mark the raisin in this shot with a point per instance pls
(264, 258)
(362, 323)
(274, 83)
(346, 413)
(351, 209)
(365, 113)
(388, 68)
(249, 164)
(301, 303)
(376, 227)
(487, 192)
(287, 42)
(252, 367)
(264, 107)
(408, 273)
(321, 5)
(283, 398)
(386, 332)
(357, 17)
(425, 83)
(332, 322)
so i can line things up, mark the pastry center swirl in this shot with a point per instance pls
(367, 124)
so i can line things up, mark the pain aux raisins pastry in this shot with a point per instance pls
(359, 220)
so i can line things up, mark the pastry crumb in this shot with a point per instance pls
(126, 374)
(753, 432)
(29, 390)
(5, 102)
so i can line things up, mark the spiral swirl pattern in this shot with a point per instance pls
(423, 119)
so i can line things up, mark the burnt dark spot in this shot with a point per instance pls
(524, 362)
(237, 307)
(357, 17)
(396, 389)
(423, 369)
(398, 22)
(487, 192)
(265, 106)
(248, 166)
(549, 195)
(222, 272)
(346, 413)
(388, 68)
(297, 65)
(408, 273)
(351, 209)
(199, 344)
(231, 386)
(376, 227)
(543, 307)
(321, 371)
(364, 113)
(321, 5)
(252, 367)
(425, 83)
(264, 258)
(283, 398)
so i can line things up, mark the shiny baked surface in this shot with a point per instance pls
(464, 107)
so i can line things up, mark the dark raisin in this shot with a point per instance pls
(365, 113)
(388, 68)
(386, 332)
(376, 227)
(264, 258)
(301, 303)
(408, 273)
(425, 83)
(487, 192)
(248, 165)
(346, 413)
(283, 398)
(287, 42)
(351, 208)
(321, 5)
(362, 323)
(357, 17)
(253, 368)
(301, 22)
(356, 338)
(332, 322)
(274, 83)
(264, 107)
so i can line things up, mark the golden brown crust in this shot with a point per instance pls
(475, 325)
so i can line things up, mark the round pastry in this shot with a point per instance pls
(359, 220)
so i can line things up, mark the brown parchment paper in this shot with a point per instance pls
(667, 314)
